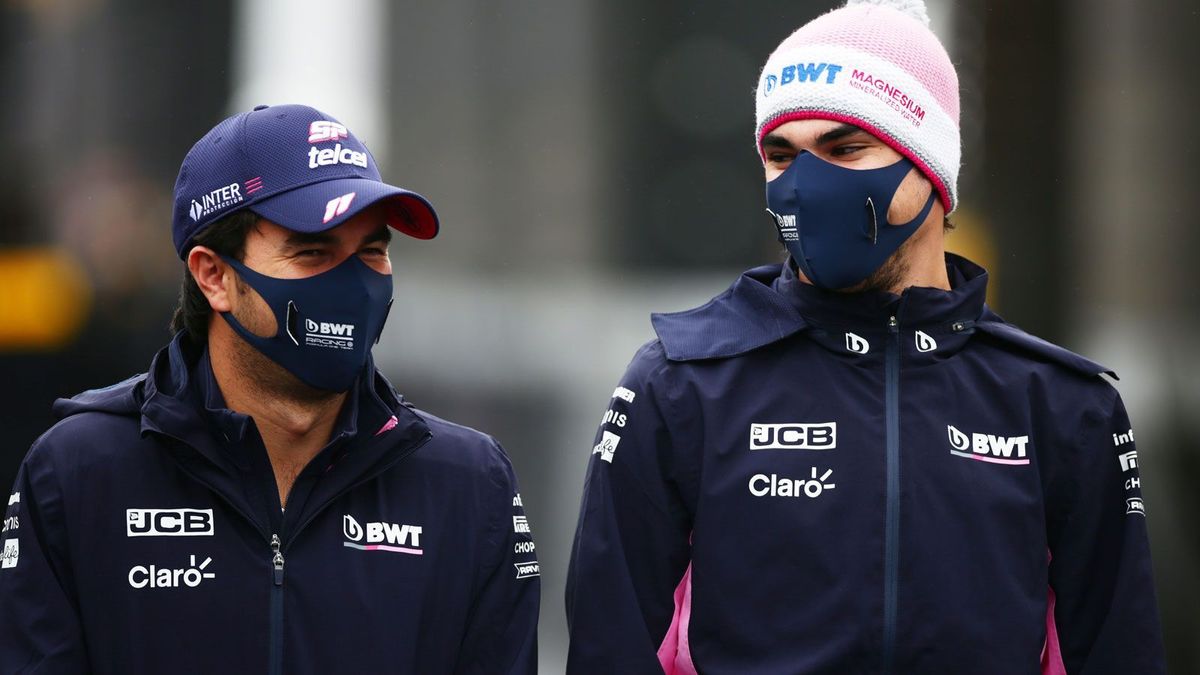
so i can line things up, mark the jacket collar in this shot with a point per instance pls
(916, 307)
(181, 399)
(767, 304)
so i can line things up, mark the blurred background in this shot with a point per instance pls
(591, 162)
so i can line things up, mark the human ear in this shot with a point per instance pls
(214, 278)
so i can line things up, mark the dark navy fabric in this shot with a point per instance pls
(293, 165)
(403, 549)
(833, 219)
(326, 324)
(864, 483)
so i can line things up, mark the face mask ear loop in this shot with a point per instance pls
(873, 235)
(924, 212)
(290, 322)
(387, 312)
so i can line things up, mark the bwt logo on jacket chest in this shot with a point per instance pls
(793, 436)
(379, 536)
(988, 447)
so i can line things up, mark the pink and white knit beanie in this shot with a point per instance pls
(874, 64)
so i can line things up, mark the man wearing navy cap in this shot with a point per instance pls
(262, 500)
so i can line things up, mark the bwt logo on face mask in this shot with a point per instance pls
(327, 334)
(987, 447)
(800, 72)
(793, 436)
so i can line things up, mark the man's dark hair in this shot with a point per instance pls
(227, 236)
(946, 224)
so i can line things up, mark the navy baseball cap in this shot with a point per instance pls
(293, 165)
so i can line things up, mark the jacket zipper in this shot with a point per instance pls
(892, 518)
(275, 658)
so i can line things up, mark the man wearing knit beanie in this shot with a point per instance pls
(847, 463)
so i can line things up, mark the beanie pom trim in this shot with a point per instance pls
(912, 8)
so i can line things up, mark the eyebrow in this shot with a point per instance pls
(383, 233)
(837, 133)
(300, 239)
(777, 141)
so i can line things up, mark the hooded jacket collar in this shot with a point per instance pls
(178, 400)
(767, 304)
(915, 307)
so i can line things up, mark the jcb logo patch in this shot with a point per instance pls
(793, 436)
(169, 522)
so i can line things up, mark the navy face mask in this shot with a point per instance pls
(327, 323)
(833, 220)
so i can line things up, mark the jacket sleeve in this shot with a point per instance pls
(631, 547)
(502, 630)
(1105, 612)
(39, 619)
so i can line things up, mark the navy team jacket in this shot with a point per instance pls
(144, 535)
(795, 481)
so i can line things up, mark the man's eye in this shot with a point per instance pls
(375, 250)
(779, 157)
(843, 150)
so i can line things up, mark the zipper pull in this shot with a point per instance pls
(277, 559)
(893, 325)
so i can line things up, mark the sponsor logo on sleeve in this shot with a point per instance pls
(988, 447)
(614, 417)
(517, 500)
(607, 446)
(12, 551)
(793, 436)
(521, 525)
(12, 524)
(169, 522)
(14, 498)
(1128, 460)
(1122, 439)
(624, 394)
(382, 536)
(1134, 505)
(527, 569)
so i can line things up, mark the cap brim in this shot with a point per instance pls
(325, 205)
